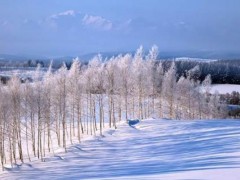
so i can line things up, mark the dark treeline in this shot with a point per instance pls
(221, 71)
(234, 100)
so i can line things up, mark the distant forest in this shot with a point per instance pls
(221, 71)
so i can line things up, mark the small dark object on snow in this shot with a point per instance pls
(132, 122)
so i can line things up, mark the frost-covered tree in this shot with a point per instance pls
(5, 126)
(124, 80)
(15, 122)
(138, 75)
(47, 95)
(75, 98)
(110, 87)
(169, 88)
(206, 86)
(60, 98)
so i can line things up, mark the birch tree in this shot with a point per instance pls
(169, 87)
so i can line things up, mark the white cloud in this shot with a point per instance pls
(65, 13)
(53, 20)
(87, 20)
(97, 21)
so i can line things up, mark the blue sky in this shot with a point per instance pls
(64, 27)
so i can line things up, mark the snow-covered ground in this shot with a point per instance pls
(194, 59)
(225, 88)
(222, 88)
(22, 72)
(152, 149)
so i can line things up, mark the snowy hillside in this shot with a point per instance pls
(152, 149)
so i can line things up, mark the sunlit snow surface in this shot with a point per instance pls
(152, 149)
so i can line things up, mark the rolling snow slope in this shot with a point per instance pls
(152, 149)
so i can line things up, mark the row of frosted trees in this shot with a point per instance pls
(61, 107)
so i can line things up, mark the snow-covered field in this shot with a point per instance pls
(21, 72)
(225, 88)
(194, 59)
(152, 149)
(222, 88)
